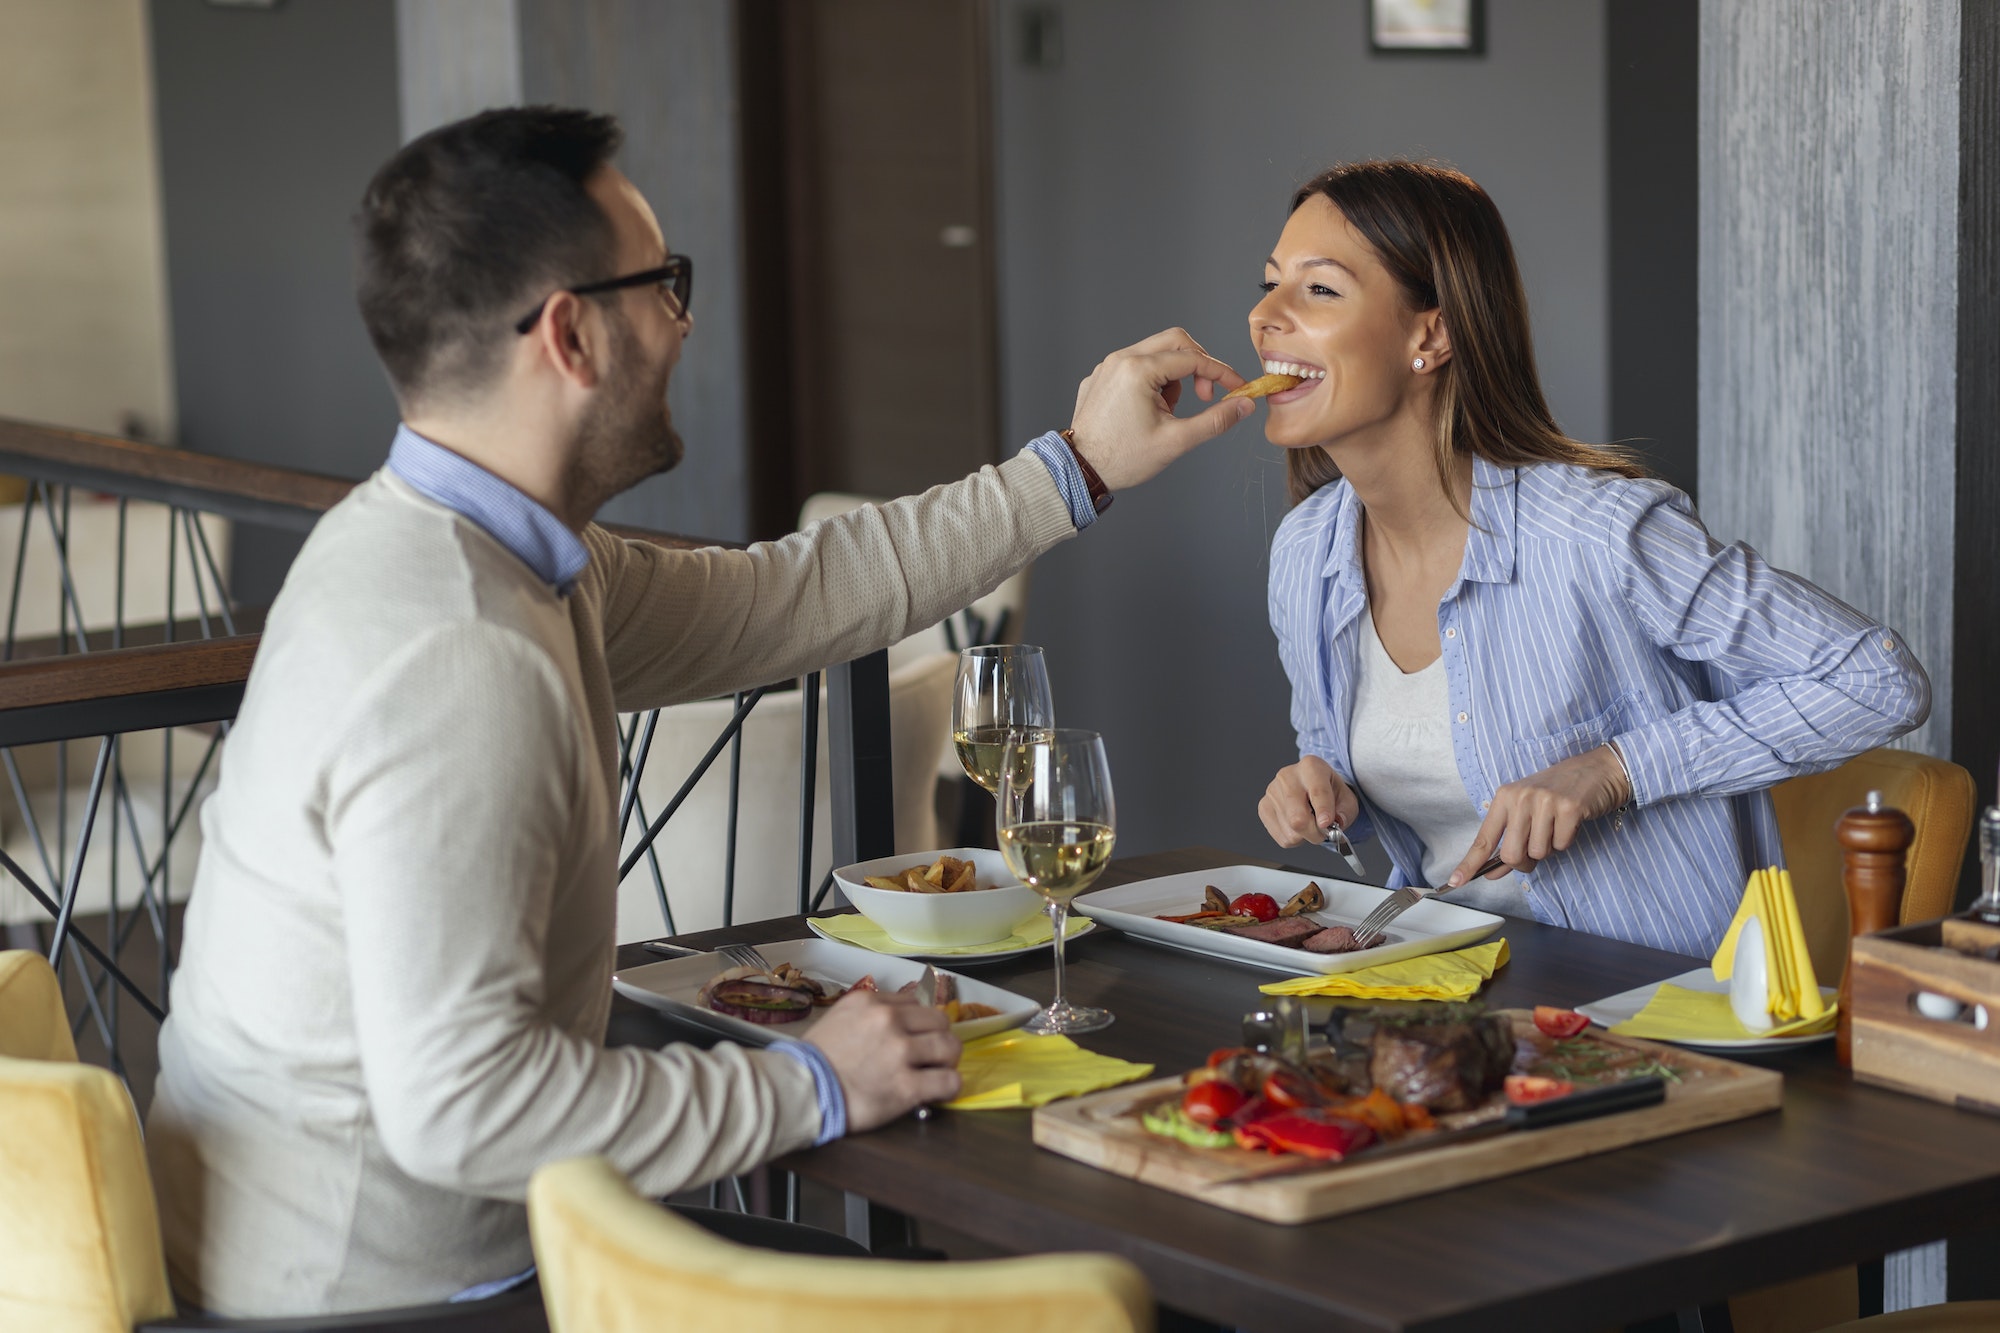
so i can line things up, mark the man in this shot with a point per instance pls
(393, 991)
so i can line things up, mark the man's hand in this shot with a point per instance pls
(1305, 800)
(891, 1053)
(1125, 423)
(1534, 818)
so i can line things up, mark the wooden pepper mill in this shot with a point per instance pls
(1874, 841)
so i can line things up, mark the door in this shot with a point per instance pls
(869, 257)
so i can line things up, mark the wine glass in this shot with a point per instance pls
(1057, 825)
(1002, 691)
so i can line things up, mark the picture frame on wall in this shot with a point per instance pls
(1427, 27)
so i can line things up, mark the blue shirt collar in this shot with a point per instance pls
(536, 537)
(1489, 546)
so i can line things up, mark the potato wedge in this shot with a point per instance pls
(1264, 386)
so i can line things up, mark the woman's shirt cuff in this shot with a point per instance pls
(826, 1083)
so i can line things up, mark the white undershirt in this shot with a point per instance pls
(1399, 740)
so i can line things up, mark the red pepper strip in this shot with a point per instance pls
(1194, 916)
(1328, 1138)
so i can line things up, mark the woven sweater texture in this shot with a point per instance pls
(392, 995)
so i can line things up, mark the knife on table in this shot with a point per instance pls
(1630, 1095)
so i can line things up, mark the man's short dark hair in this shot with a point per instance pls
(467, 227)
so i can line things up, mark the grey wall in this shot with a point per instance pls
(1828, 326)
(1141, 184)
(668, 71)
(270, 124)
(455, 58)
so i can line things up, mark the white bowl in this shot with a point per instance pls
(942, 920)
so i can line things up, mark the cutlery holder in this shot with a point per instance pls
(1926, 1012)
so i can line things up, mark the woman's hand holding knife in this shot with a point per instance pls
(1538, 816)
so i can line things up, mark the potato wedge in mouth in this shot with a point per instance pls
(1264, 386)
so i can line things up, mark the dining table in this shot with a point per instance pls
(1842, 1173)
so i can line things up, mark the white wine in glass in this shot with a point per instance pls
(1002, 693)
(1057, 824)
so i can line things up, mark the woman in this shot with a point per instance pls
(1503, 642)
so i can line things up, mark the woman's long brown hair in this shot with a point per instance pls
(1441, 238)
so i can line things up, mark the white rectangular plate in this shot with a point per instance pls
(1615, 1009)
(673, 985)
(1431, 926)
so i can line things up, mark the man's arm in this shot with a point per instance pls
(684, 625)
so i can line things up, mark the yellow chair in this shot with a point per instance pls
(611, 1262)
(1936, 794)
(1939, 797)
(79, 1227)
(79, 1234)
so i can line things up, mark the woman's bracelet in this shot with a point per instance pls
(1631, 790)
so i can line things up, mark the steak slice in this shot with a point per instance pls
(1334, 939)
(1450, 1066)
(1286, 930)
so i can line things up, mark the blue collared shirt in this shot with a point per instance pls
(536, 537)
(1592, 608)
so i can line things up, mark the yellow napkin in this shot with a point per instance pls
(1676, 1013)
(1009, 1070)
(855, 929)
(1792, 988)
(1434, 976)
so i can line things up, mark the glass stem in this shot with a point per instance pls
(1059, 922)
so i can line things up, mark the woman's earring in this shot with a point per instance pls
(1417, 364)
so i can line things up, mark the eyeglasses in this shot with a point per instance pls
(678, 270)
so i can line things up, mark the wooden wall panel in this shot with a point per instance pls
(1828, 311)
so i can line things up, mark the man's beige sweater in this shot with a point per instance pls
(392, 995)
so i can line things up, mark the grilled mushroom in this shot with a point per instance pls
(1214, 900)
(1309, 899)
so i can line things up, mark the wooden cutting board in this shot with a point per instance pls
(1103, 1130)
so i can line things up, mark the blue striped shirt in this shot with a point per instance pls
(1592, 608)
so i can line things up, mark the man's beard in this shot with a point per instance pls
(626, 436)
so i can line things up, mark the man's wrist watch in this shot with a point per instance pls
(1100, 494)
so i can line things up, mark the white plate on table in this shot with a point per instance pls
(1431, 926)
(1614, 1009)
(673, 986)
(955, 959)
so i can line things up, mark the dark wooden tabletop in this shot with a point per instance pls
(1843, 1173)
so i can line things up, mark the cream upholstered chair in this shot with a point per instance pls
(691, 847)
(612, 1262)
(79, 1234)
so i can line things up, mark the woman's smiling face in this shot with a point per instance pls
(1333, 313)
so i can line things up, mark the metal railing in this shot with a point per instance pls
(106, 683)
